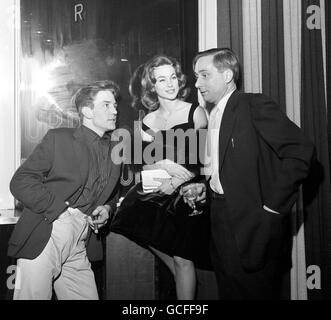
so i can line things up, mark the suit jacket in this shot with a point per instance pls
(263, 158)
(55, 173)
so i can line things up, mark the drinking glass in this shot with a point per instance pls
(192, 195)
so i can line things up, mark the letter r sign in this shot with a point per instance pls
(79, 8)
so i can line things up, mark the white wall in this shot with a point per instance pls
(9, 157)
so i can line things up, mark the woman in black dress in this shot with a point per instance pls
(160, 220)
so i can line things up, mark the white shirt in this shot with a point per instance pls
(212, 150)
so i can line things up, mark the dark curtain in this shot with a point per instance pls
(316, 191)
(328, 64)
(273, 61)
(273, 71)
(230, 26)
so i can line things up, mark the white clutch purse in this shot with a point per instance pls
(148, 176)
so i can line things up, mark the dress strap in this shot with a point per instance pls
(144, 126)
(191, 114)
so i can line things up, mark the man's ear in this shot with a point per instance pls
(87, 112)
(228, 75)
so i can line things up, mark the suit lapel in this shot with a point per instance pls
(227, 125)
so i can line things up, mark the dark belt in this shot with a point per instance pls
(217, 196)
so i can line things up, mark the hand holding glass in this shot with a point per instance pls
(191, 195)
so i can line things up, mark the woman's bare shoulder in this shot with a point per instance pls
(150, 118)
(200, 117)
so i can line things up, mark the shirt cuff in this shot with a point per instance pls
(267, 209)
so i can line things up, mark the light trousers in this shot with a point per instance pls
(62, 265)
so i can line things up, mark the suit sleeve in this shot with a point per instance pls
(293, 149)
(27, 183)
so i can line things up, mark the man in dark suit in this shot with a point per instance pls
(257, 159)
(67, 187)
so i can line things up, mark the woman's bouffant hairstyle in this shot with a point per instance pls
(149, 97)
(135, 88)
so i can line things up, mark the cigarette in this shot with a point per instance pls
(96, 227)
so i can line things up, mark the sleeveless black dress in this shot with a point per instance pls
(163, 221)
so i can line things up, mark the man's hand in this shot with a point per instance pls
(201, 191)
(99, 217)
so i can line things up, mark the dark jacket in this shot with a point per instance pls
(52, 178)
(263, 159)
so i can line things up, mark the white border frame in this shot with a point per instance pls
(17, 68)
(9, 100)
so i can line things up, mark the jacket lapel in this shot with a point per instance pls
(227, 125)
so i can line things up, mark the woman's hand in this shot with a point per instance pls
(167, 187)
(175, 169)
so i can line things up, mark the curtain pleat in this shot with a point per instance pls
(273, 67)
(292, 53)
(207, 24)
(317, 189)
(323, 25)
(292, 50)
(252, 66)
(230, 26)
(328, 66)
